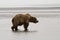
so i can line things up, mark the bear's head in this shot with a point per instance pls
(33, 20)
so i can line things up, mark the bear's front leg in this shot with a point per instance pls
(26, 26)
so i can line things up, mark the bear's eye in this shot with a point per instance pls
(33, 18)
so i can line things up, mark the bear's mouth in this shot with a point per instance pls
(36, 22)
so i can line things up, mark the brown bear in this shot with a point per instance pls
(22, 19)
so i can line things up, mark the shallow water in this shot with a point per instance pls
(48, 28)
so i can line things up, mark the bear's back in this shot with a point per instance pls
(21, 18)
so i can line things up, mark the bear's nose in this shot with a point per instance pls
(37, 21)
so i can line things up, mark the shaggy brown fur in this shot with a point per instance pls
(22, 19)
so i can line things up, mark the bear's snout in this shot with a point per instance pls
(36, 21)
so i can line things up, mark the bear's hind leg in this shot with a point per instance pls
(16, 28)
(12, 28)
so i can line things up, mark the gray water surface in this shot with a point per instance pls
(48, 28)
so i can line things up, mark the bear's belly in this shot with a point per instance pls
(20, 24)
